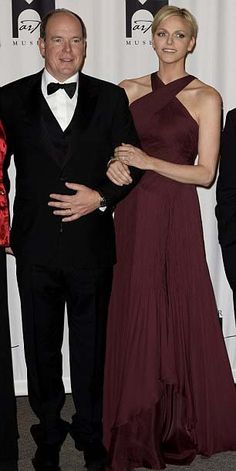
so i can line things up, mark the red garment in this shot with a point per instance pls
(4, 215)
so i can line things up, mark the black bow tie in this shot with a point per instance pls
(68, 87)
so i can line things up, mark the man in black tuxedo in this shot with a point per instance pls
(62, 127)
(8, 429)
(226, 200)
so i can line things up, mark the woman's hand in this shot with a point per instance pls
(132, 156)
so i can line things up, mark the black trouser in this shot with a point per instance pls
(229, 259)
(44, 291)
(8, 423)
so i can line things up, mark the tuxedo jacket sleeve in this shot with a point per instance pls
(122, 131)
(226, 184)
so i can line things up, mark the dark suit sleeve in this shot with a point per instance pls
(6, 164)
(226, 184)
(226, 199)
(122, 130)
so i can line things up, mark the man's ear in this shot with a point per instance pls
(41, 46)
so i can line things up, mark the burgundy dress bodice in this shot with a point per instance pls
(176, 143)
(4, 216)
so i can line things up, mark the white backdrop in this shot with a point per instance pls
(114, 54)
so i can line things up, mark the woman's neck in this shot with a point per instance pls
(170, 72)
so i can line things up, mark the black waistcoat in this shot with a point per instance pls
(60, 139)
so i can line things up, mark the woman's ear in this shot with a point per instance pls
(192, 44)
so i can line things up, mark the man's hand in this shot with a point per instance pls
(72, 207)
(119, 173)
(9, 251)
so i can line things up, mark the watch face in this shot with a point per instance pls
(103, 202)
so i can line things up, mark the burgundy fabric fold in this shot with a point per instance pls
(169, 392)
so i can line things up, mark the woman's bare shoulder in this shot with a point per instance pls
(136, 87)
(206, 93)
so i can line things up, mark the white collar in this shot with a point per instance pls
(47, 78)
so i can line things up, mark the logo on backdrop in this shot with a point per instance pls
(25, 20)
(139, 16)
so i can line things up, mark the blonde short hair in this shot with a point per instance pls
(170, 10)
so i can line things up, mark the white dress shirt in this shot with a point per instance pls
(61, 105)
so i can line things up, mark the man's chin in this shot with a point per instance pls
(65, 74)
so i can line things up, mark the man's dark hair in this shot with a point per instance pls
(51, 13)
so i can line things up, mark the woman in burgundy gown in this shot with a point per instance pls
(169, 392)
(8, 425)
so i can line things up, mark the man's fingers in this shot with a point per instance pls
(62, 205)
(72, 218)
(63, 212)
(120, 176)
(64, 198)
(117, 182)
(9, 251)
(74, 186)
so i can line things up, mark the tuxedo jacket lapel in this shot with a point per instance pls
(31, 98)
(38, 115)
(87, 100)
(86, 104)
(34, 107)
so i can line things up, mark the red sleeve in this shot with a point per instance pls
(4, 214)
